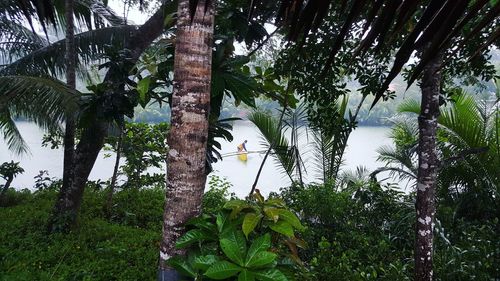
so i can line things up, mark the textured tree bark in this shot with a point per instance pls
(427, 169)
(188, 135)
(69, 134)
(69, 200)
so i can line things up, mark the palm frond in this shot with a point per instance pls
(12, 136)
(44, 101)
(50, 59)
(88, 11)
(273, 133)
(323, 147)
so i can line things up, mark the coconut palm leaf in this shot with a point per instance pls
(323, 149)
(399, 162)
(296, 124)
(468, 142)
(44, 101)
(16, 40)
(50, 59)
(329, 145)
(273, 133)
(89, 13)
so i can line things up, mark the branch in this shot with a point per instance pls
(263, 42)
(461, 155)
(384, 169)
(151, 29)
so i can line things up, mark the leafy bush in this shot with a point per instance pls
(354, 234)
(97, 250)
(253, 240)
(217, 194)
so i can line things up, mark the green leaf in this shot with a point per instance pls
(221, 221)
(291, 218)
(270, 275)
(275, 202)
(192, 236)
(283, 227)
(261, 259)
(246, 275)
(233, 244)
(260, 244)
(143, 88)
(181, 264)
(236, 206)
(222, 270)
(250, 222)
(44, 101)
(204, 262)
(272, 213)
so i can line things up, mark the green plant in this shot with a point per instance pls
(253, 240)
(8, 171)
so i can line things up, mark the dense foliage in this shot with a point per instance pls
(354, 233)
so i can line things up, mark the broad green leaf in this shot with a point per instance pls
(261, 259)
(272, 213)
(204, 262)
(203, 223)
(272, 274)
(260, 244)
(233, 244)
(221, 221)
(143, 88)
(291, 218)
(236, 206)
(192, 236)
(222, 270)
(246, 275)
(181, 264)
(283, 227)
(275, 202)
(250, 222)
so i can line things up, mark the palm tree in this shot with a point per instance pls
(188, 135)
(69, 132)
(467, 147)
(48, 59)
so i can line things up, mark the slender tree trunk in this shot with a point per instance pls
(5, 188)
(188, 135)
(92, 140)
(427, 169)
(111, 191)
(69, 200)
(69, 134)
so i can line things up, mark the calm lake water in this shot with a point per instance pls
(361, 151)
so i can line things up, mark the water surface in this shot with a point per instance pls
(361, 150)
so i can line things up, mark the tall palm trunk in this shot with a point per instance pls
(69, 134)
(427, 169)
(188, 135)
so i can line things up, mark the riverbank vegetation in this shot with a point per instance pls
(355, 233)
(323, 65)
